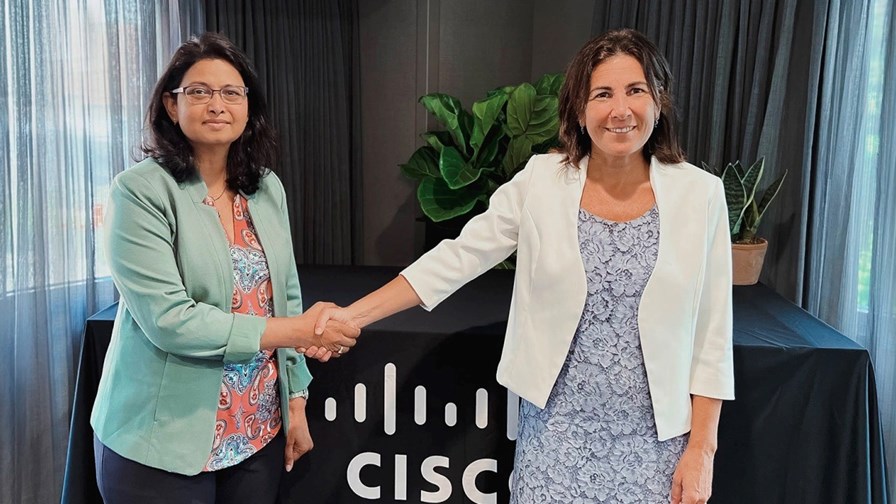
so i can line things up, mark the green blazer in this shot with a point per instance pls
(170, 260)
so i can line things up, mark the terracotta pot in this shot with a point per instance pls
(746, 262)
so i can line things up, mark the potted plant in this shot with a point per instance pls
(461, 166)
(745, 210)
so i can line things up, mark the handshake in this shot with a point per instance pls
(335, 329)
(335, 332)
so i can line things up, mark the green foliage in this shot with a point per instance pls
(741, 186)
(478, 151)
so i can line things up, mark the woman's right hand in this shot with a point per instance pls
(395, 296)
(332, 337)
(328, 314)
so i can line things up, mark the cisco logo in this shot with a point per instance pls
(428, 472)
(433, 468)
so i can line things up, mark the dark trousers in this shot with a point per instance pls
(255, 480)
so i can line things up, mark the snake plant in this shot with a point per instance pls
(746, 206)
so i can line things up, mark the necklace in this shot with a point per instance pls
(216, 198)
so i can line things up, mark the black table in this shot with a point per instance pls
(414, 414)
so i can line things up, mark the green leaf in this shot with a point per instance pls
(750, 225)
(438, 139)
(768, 195)
(750, 181)
(506, 264)
(439, 202)
(466, 128)
(549, 84)
(533, 116)
(519, 150)
(520, 107)
(751, 178)
(738, 169)
(485, 112)
(448, 110)
(424, 162)
(456, 171)
(735, 197)
(545, 120)
(503, 89)
(489, 150)
(750, 221)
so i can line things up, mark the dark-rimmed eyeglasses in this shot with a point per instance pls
(198, 94)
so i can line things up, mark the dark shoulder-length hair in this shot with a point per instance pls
(663, 142)
(250, 156)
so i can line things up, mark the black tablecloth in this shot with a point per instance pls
(804, 428)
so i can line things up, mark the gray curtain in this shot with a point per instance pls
(850, 269)
(741, 71)
(305, 54)
(74, 77)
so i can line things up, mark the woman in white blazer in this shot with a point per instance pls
(619, 333)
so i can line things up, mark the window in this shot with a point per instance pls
(866, 173)
(77, 85)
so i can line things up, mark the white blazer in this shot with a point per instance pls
(684, 317)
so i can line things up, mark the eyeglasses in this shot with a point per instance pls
(199, 94)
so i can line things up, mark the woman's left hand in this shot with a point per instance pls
(298, 438)
(692, 481)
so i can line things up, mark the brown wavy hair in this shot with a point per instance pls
(250, 156)
(663, 142)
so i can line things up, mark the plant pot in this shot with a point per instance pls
(746, 261)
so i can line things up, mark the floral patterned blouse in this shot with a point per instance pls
(249, 404)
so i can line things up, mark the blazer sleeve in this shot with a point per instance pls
(298, 376)
(486, 240)
(140, 253)
(712, 365)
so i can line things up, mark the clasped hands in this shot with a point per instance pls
(334, 332)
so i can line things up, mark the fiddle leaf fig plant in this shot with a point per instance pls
(746, 206)
(461, 166)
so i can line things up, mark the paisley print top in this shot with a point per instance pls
(249, 404)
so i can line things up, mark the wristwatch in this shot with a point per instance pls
(302, 393)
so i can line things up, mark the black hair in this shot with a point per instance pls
(250, 156)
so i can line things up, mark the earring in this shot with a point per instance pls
(582, 127)
(657, 122)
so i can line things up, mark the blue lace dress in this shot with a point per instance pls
(596, 440)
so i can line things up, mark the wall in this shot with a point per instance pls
(409, 48)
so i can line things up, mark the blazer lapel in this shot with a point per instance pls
(262, 216)
(196, 190)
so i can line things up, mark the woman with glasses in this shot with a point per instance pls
(202, 397)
